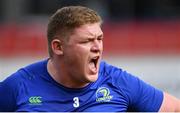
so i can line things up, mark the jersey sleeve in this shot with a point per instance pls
(142, 96)
(8, 91)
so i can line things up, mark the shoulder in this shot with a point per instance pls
(12, 87)
(37, 67)
(140, 95)
(117, 75)
(22, 74)
(121, 79)
(11, 81)
(9, 89)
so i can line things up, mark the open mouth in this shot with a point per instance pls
(93, 64)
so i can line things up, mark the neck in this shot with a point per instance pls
(60, 74)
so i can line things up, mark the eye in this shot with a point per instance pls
(100, 38)
(85, 41)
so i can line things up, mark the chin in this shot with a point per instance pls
(92, 78)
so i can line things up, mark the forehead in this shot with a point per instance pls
(88, 30)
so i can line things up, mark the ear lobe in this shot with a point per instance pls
(56, 46)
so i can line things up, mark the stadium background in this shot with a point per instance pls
(141, 36)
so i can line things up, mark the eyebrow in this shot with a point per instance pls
(101, 35)
(92, 37)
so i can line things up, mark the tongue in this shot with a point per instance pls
(92, 67)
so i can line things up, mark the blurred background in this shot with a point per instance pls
(141, 36)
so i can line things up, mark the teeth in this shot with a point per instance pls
(93, 64)
(95, 58)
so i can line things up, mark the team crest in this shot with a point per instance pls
(103, 95)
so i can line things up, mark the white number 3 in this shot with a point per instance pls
(76, 102)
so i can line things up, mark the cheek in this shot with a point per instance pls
(83, 50)
(102, 46)
(79, 54)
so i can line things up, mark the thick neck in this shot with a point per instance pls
(60, 74)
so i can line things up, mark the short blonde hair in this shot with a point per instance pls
(66, 19)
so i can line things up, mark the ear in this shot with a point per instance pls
(56, 46)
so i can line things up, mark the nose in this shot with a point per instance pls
(96, 47)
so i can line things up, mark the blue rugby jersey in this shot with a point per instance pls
(33, 89)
